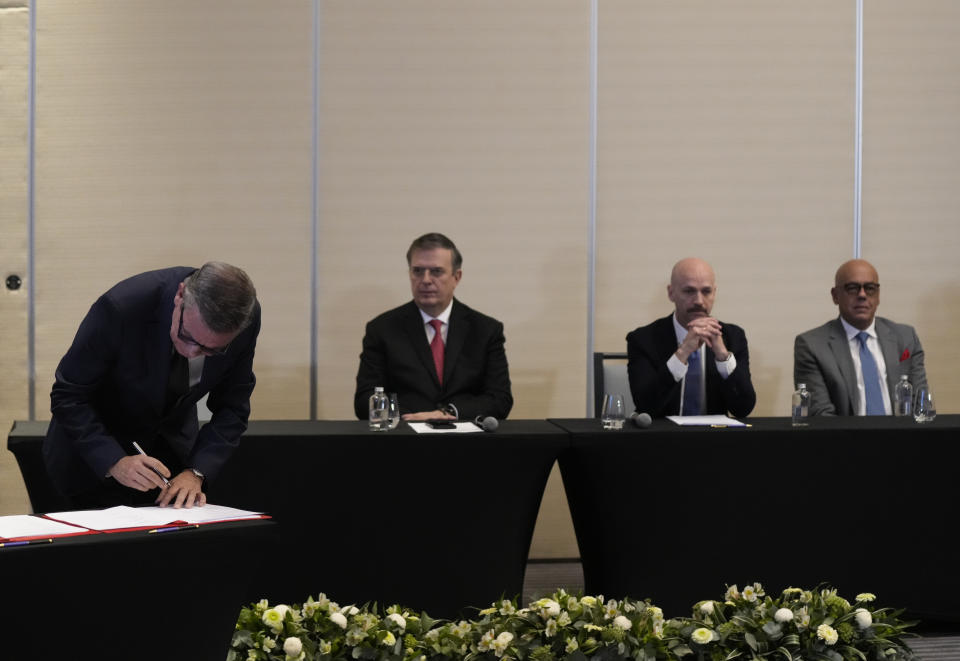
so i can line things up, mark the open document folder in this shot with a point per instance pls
(120, 517)
(27, 525)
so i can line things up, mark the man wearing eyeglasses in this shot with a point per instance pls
(852, 364)
(443, 359)
(124, 401)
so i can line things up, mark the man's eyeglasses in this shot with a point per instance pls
(207, 351)
(869, 288)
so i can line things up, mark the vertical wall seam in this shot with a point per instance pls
(31, 194)
(592, 208)
(314, 212)
(858, 138)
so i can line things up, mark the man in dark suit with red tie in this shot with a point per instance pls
(689, 363)
(146, 352)
(443, 359)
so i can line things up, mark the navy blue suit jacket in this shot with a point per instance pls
(110, 388)
(396, 355)
(652, 384)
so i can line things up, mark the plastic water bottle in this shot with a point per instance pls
(801, 406)
(379, 410)
(903, 397)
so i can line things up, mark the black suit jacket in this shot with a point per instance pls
(110, 389)
(656, 392)
(396, 355)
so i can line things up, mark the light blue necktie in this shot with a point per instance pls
(871, 377)
(691, 391)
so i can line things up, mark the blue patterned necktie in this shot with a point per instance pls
(871, 378)
(691, 390)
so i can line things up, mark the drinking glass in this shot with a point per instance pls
(614, 412)
(924, 408)
(393, 411)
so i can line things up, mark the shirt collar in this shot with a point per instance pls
(444, 316)
(678, 329)
(853, 332)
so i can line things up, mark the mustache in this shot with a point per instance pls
(697, 308)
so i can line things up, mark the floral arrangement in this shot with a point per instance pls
(800, 624)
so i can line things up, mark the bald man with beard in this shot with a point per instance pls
(688, 363)
(829, 358)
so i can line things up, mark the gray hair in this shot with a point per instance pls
(223, 294)
(436, 240)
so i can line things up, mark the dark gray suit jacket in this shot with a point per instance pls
(655, 390)
(822, 361)
(111, 385)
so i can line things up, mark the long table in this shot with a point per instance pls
(678, 513)
(442, 523)
(130, 595)
(436, 522)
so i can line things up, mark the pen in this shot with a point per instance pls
(27, 542)
(136, 446)
(172, 528)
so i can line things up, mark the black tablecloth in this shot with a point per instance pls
(677, 513)
(437, 522)
(129, 595)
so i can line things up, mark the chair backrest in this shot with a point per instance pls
(610, 376)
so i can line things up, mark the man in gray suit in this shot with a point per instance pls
(834, 359)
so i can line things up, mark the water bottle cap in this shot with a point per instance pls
(378, 389)
(801, 386)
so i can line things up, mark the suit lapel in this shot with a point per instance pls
(456, 336)
(413, 326)
(840, 347)
(666, 338)
(890, 349)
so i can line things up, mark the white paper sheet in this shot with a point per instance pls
(122, 516)
(462, 428)
(706, 421)
(25, 525)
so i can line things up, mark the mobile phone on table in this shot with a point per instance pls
(441, 424)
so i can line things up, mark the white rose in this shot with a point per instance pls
(398, 620)
(706, 608)
(622, 622)
(350, 610)
(701, 636)
(292, 646)
(505, 638)
(783, 615)
(589, 602)
(339, 619)
(551, 607)
(863, 617)
(827, 634)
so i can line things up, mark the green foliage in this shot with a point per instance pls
(799, 624)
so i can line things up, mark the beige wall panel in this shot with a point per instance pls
(470, 119)
(172, 133)
(726, 131)
(14, 112)
(911, 165)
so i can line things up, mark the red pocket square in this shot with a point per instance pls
(904, 355)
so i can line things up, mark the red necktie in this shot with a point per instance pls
(436, 347)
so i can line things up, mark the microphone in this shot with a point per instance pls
(641, 420)
(486, 422)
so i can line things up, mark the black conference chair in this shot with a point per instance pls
(610, 376)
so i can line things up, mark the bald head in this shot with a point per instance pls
(856, 292)
(692, 289)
